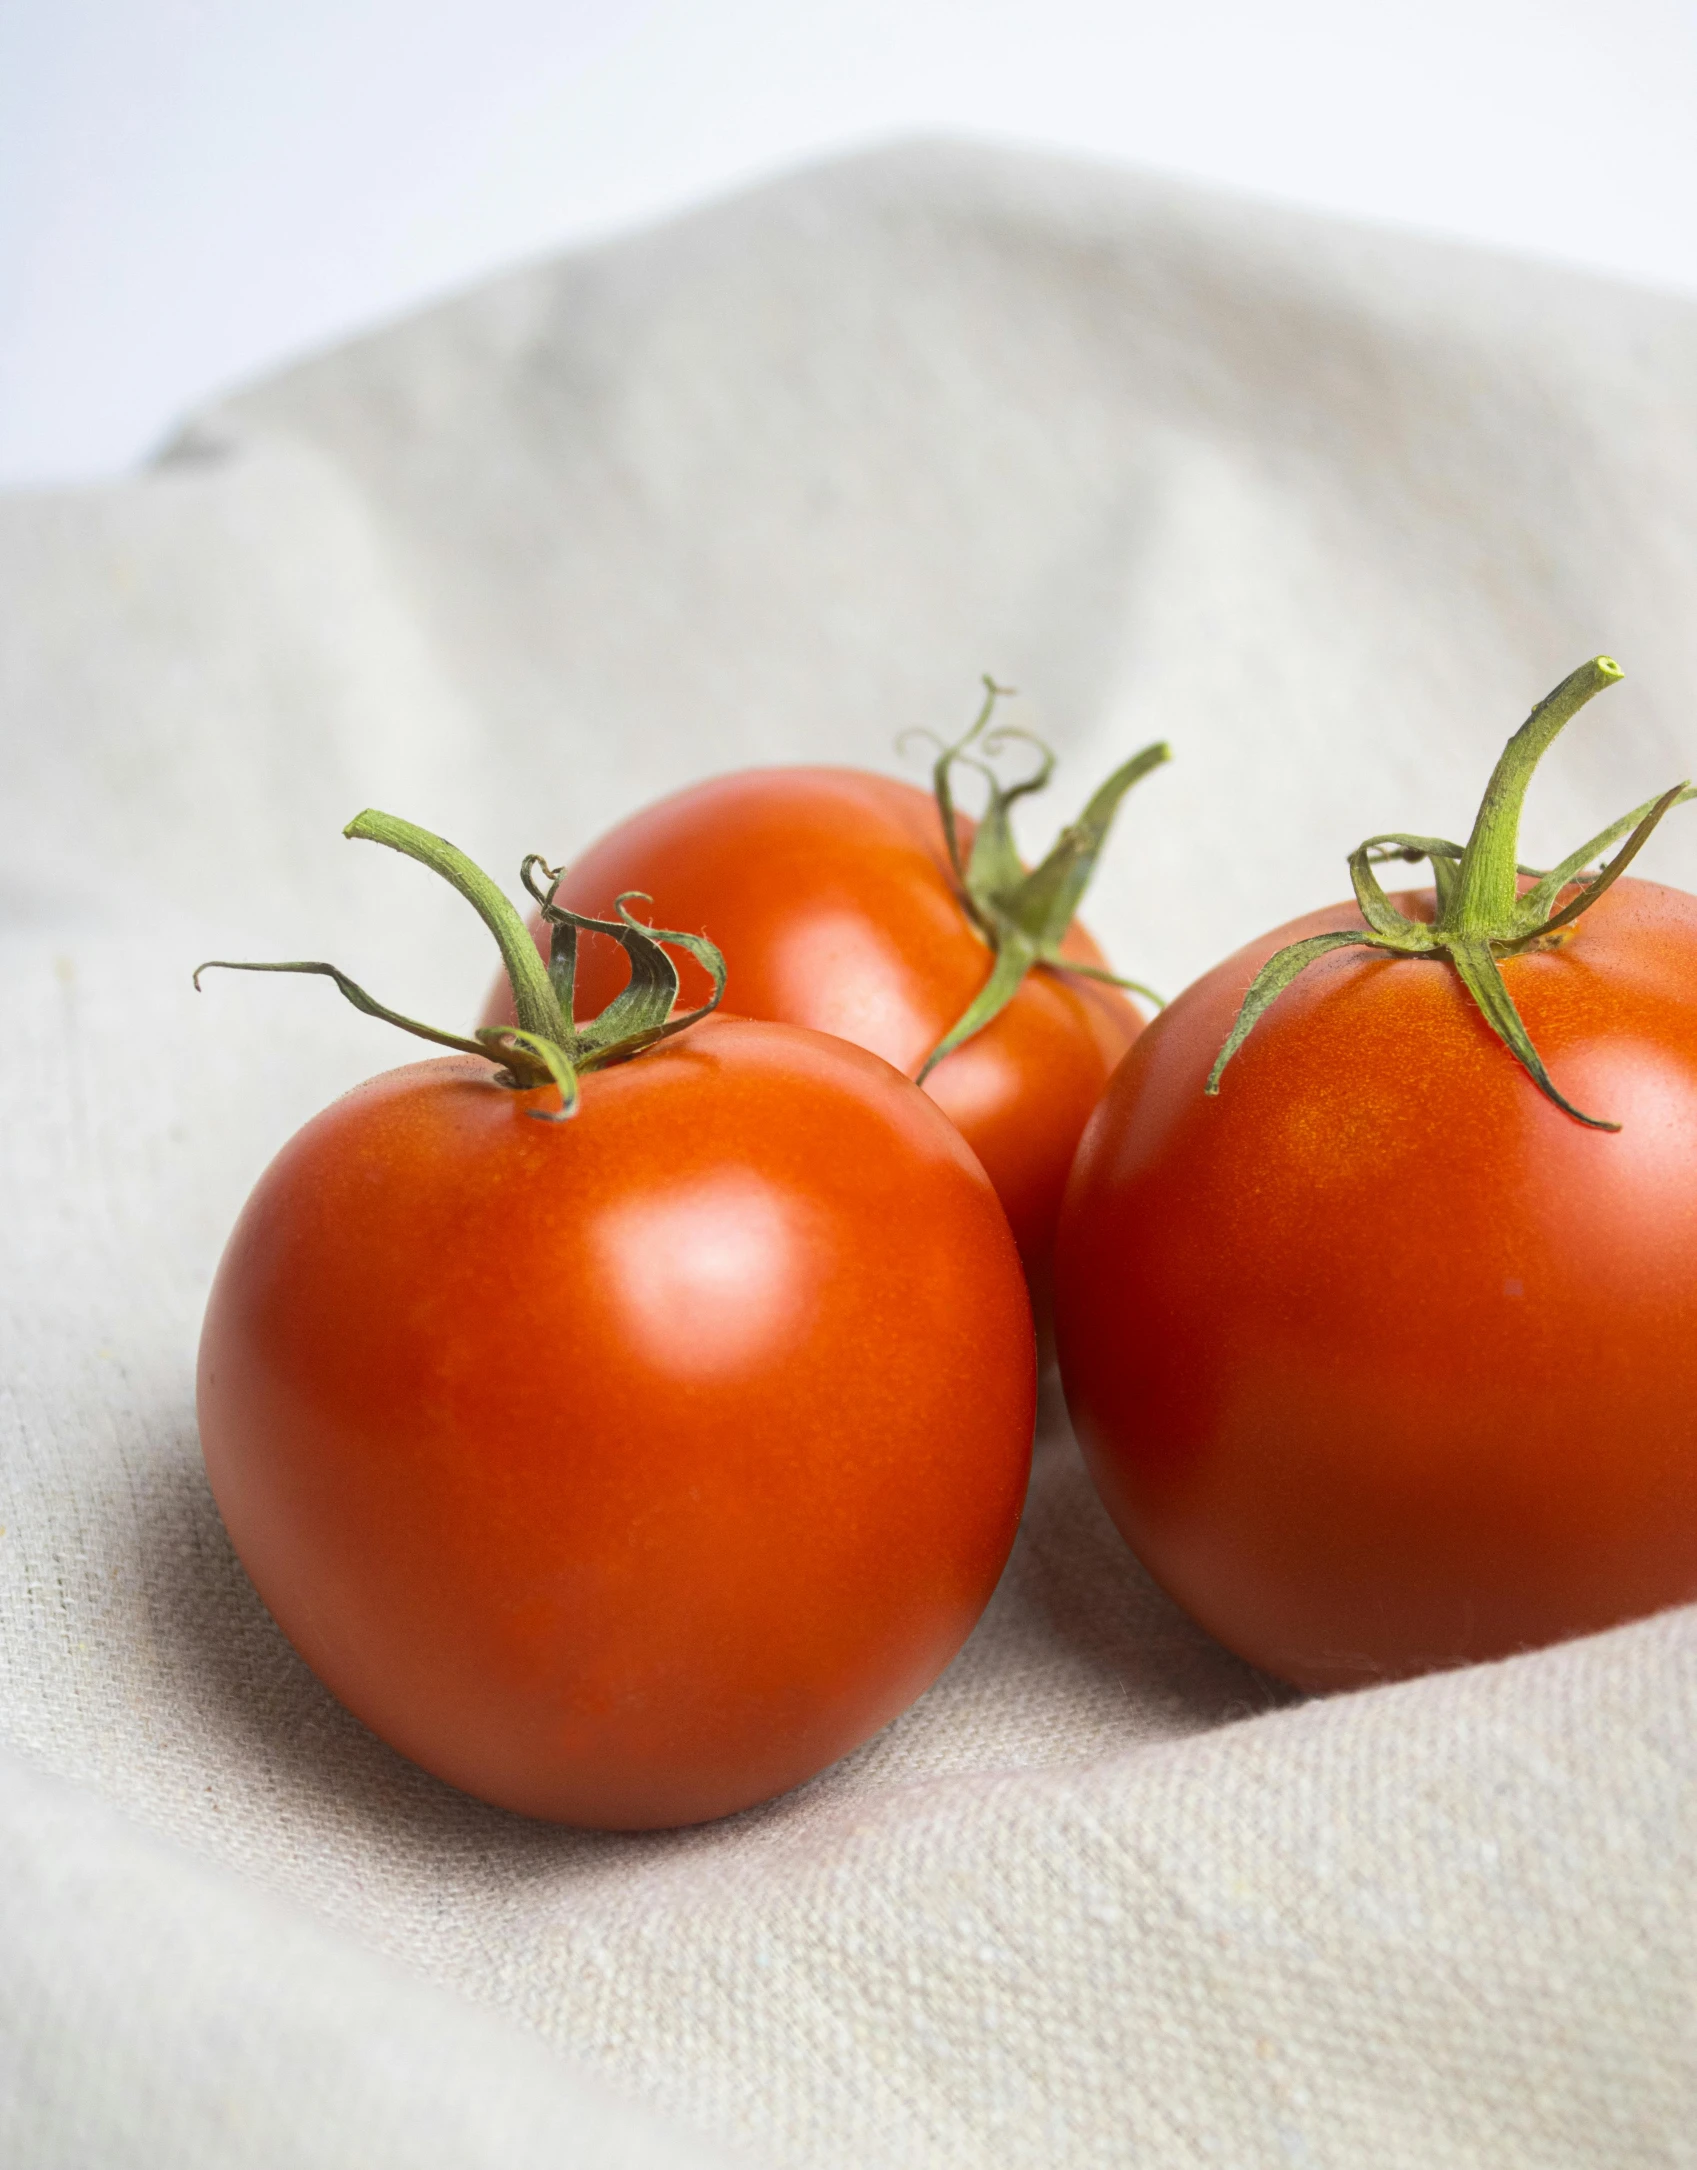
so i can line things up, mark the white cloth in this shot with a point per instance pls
(1326, 508)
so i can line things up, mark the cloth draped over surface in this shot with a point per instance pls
(1328, 509)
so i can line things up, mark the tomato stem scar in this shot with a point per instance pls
(547, 1045)
(1022, 915)
(1483, 914)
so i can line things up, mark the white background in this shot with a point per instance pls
(191, 190)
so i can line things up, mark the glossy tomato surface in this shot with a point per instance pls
(630, 1470)
(830, 893)
(1380, 1361)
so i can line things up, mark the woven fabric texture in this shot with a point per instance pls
(1327, 509)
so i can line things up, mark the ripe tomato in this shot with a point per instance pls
(1380, 1359)
(628, 1470)
(831, 893)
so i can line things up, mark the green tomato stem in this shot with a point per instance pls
(1482, 901)
(547, 1045)
(1023, 914)
(534, 999)
(1482, 916)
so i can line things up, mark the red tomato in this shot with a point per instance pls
(830, 893)
(1380, 1360)
(630, 1470)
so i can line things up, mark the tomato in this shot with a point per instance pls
(624, 1451)
(1381, 1360)
(628, 1471)
(831, 893)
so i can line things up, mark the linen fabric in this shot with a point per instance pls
(1328, 509)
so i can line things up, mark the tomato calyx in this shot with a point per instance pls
(1022, 914)
(547, 1045)
(1483, 914)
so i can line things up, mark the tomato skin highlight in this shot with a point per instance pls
(1380, 1362)
(830, 893)
(628, 1471)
